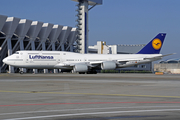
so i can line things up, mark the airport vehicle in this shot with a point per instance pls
(85, 63)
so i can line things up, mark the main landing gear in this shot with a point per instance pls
(89, 72)
(21, 72)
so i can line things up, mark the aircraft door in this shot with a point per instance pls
(63, 57)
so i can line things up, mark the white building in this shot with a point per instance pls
(171, 66)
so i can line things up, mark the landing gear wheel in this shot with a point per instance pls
(21, 72)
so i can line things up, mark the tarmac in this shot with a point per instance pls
(89, 97)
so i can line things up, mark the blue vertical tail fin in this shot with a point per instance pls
(154, 46)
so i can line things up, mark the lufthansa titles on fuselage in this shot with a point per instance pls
(40, 57)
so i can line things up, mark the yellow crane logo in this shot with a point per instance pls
(156, 43)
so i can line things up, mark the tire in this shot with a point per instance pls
(21, 72)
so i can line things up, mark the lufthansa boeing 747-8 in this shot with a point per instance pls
(85, 63)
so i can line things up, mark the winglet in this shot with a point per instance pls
(154, 46)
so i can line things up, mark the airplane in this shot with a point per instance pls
(86, 63)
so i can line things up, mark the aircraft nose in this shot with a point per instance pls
(5, 60)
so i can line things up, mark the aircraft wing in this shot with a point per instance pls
(158, 57)
(96, 62)
(119, 63)
(67, 64)
(130, 61)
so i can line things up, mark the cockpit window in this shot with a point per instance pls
(17, 53)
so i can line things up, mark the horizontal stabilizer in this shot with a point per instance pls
(159, 57)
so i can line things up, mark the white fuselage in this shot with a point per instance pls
(63, 60)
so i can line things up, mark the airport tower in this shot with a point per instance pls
(82, 26)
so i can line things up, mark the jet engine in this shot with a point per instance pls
(108, 65)
(80, 68)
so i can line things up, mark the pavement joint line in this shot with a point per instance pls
(100, 94)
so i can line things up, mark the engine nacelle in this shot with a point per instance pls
(108, 65)
(80, 68)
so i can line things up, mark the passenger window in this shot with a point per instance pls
(17, 53)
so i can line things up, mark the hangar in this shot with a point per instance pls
(22, 34)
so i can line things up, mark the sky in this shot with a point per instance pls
(116, 21)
